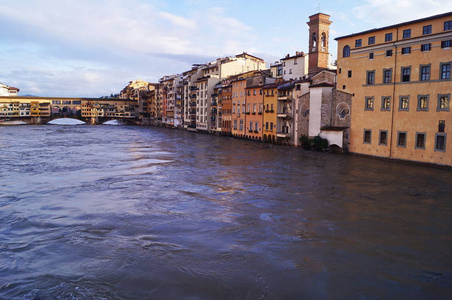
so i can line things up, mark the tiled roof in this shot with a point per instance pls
(397, 25)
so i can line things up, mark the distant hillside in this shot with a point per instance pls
(28, 95)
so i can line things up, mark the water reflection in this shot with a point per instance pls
(134, 212)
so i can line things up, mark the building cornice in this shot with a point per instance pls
(403, 43)
(396, 25)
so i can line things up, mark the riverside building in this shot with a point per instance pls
(400, 79)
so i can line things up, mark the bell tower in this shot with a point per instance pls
(319, 33)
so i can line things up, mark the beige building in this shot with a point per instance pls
(294, 67)
(8, 90)
(400, 78)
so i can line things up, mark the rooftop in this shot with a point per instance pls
(397, 25)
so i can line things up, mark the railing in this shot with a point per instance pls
(284, 115)
(284, 98)
(283, 135)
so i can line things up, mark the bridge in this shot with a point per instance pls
(39, 110)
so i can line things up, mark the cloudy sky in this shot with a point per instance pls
(91, 48)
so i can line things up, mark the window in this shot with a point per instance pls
(346, 51)
(446, 44)
(370, 77)
(271, 125)
(441, 125)
(426, 47)
(266, 125)
(241, 124)
(407, 33)
(367, 136)
(422, 102)
(388, 37)
(235, 124)
(371, 40)
(406, 50)
(358, 43)
(406, 72)
(385, 103)
(401, 139)
(420, 140)
(383, 138)
(443, 102)
(445, 71)
(425, 73)
(404, 103)
(448, 25)
(427, 29)
(369, 104)
(349, 73)
(251, 126)
(388, 53)
(440, 142)
(371, 55)
(387, 75)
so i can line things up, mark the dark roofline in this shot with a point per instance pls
(245, 53)
(334, 128)
(322, 84)
(274, 85)
(396, 25)
(319, 13)
(302, 54)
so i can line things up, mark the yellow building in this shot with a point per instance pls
(400, 79)
(270, 104)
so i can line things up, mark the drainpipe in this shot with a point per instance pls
(393, 94)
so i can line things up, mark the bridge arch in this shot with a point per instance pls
(56, 110)
(67, 111)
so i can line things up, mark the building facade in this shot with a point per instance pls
(400, 79)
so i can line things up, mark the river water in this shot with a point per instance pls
(128, 212)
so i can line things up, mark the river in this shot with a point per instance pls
(129, 212)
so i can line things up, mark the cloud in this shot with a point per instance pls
(97, 42)
(388, 12)
(178, 20)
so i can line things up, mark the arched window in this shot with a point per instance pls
(323, 41)
(346, 51)
(314, 42)
(342, 110)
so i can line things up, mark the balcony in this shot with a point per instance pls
(284, 98)
(284, 115)
(283, 135)
(213, 104)
(193, 88)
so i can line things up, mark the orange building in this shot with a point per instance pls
(226, 106)
(238, 107)
(254, 112)
(400, 78)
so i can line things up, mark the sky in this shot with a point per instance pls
(93, 48)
